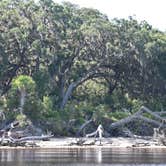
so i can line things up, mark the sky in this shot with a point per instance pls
(152, 11)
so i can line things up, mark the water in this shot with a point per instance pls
(83, 157)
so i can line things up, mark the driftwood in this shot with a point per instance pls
(83, 126)
(6, 131)
(24, 141)
(31, 138)
(139, 116)
(159, 136)
(158, 121)
(160, 133)
(99, 132)
(10, 126)
(84, 141)
(6, 136)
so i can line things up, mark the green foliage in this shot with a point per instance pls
(23, 82)
(47, 105)
(136, 104)
(24, 85)
(115, 116)
(74, 63)
(41, 79)
(161, 64)
(157, 104)
(92, 91)
(117, 100)
(33, 108)
(22, 119)
(100, 112)
(84, 109)
(55, 121)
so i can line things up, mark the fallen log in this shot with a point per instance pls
(6, 131)
(10, 141)
(160, 112)
(7, 138)
(9, 127)
(31, 138)
(139, 116)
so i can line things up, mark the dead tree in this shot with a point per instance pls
(160, 133)
(158, 121)
(83, 126)
(6, 131)
(84, 141)
(7, 138)
(139, 116)
(98, 132)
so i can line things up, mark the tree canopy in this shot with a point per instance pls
(77, 55)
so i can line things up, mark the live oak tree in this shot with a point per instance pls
(63, 46)
(18, 33)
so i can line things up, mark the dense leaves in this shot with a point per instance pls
(78, 58)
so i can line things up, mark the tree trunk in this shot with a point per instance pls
(83, 126)
(67, 95)
(22, 99)
(138, 116)
(86, 76)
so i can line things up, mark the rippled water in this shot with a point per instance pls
(83, 157)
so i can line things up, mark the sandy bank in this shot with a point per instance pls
(118, 142)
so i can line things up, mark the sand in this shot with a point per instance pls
(118, 142)
(69, 142)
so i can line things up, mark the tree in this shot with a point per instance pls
(63, 46)
(18, 39)
(24, 85)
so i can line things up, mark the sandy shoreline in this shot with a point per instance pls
(69, 142)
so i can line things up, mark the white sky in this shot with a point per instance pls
(153, 11)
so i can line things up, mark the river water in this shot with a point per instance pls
(83, 157)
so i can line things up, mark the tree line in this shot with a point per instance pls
(61, 63)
